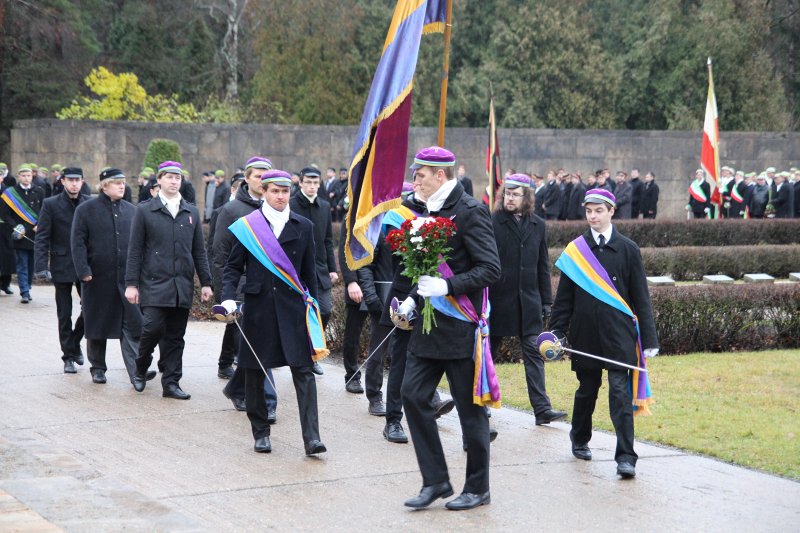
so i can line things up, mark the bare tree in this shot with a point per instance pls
(230, 12)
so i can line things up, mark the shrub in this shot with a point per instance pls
(160, 150)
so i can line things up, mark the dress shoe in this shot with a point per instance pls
(377, 408)
(150, 375)
(393, 432)
(98, 376)
(443, 407)
(317, 369)
(7, 290)
(582, 451)
(24, 299)
(492, 433)
(78, 358)
(69, 367)
(225, 373)
(549, 416)
(176, 392)
(139, 381)
(272, 416)
(262, 445)
(467, 500)
(238, 403)
(314, 447)
(354, 386)
(429, 494)
(626, 470)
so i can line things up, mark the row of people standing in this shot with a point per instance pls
(770, 194)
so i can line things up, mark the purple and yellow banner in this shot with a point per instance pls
(379, 157)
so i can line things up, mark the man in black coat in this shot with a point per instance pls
(595, 327)
(26, 200)
(166, 249)
(636, 193)
(551, 201)
(448, 347)
(53, 260)
(735, 191)
(187, 189)
(100, 235)
(575, 207)
(782, 197)
(538, 196)
(522, 297)
(759, 197)
(624, 195)
(796, 193)
(648, 204)
(699, 195)
(222, 192)
(465, 180)
(274, 314)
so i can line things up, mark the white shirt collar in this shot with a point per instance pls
(309, 198)
(606, 234)
(173, 206)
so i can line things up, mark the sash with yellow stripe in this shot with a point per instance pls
(19, 206)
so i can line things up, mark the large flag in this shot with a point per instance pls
(379, 157)
(492, 158)
(709, 153)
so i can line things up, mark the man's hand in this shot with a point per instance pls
(334, 277)
(354, 292)
(430, 286)
(402, 315)
(650, 352)
(206, 293)
(132, 295)
(86, 279)
(226, 311)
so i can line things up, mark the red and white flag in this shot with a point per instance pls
(709, 153)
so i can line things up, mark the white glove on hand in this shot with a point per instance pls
(402, 314)
(430, 286)
(226, 311)
(650, 352)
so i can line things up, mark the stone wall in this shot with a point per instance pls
(671, 155)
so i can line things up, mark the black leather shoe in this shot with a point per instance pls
(377, 408)
(626, 470)
(317, 369)
(225, 373)
(150, 375)
(467, 500)
(354, 386)
(69, 367)
(98, 376)
(430, 494)
(443, 407)
(262, 445)
(272, 416)
(582, 451)
(139, 382)
(7, 290)
(314, 447)
(175, 392)
(549, 416)
(394, 433)
(238, 403)
(492, 433)
(78, 358)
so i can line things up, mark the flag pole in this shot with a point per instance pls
(445, 72)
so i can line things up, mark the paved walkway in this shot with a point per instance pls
(75, 456)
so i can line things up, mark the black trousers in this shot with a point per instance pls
(69, 337)
(128, 343)
(353, 324)
(230, 345)
(235, 388)
(398, 348)
(620, 408)
(419, 383)
(305, 387)
(163, 327)
(373, 378)
(534, 371)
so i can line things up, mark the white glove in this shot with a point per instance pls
(707, 210)
(650, 352)
(226, 311)
(430, 286)
(402, 314)
(229, 305)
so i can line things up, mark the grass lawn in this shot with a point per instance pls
(739, 407)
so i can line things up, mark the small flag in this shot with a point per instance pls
(492, 158)
(709, 152)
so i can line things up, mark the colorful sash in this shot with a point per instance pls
(395, 217)
(736, 195)
(697, 192)
(254, 232)
(581, 266)
(485, 386)
(18, 204)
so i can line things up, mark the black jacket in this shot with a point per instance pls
(33, 196)
(222, 195)
(466, 182)
(348, 276)
(696, 206)
(274, 314)
(783, 200)
(524, 283)
(52, 249)
(475, 265)
(187, 191)
(648, 204)
(575, 209)
(319, 213)
(538, 197)
(637, 186)
(552, 199)
(597, 328)
(242, 205)
(375, 279)
(164, 254)
(759, 196)
(624, 196)
(100, 237)
(736, 209)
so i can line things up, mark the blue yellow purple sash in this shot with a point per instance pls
(485, 386)
(395, 217)
(18, 204)
(581, 266)
(255, 234)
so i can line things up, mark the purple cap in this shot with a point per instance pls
(517, 180)
(599, 196)
(258, 162)
(278, 177)
(408, 187)
(434, 156)
(172, 167)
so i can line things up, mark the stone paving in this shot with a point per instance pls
(75, 456)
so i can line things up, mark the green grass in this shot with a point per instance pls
(739, 407)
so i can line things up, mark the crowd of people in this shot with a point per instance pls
(268, 261)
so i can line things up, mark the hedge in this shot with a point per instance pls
(160, 150)
(664, 233)
(687, 263)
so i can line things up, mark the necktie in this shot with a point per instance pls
(602, 241)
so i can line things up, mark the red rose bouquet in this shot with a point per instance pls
(422, 245)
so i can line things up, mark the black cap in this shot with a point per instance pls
(111, 174)
(343, 169)
(72, 172)
(237, 177)
(153, 183)
(311, 172)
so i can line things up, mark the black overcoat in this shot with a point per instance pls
(552, 199)
(319, 213)
(594, 327)
(524, 283)
(575, 209)
(52, 248)
(475, 265)
(697, 207)
(783, 200)
(33, 196)
(100, 234)
(648, 205)
(164, 254)
(624, 196)
(242, 205)
(274, 314)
